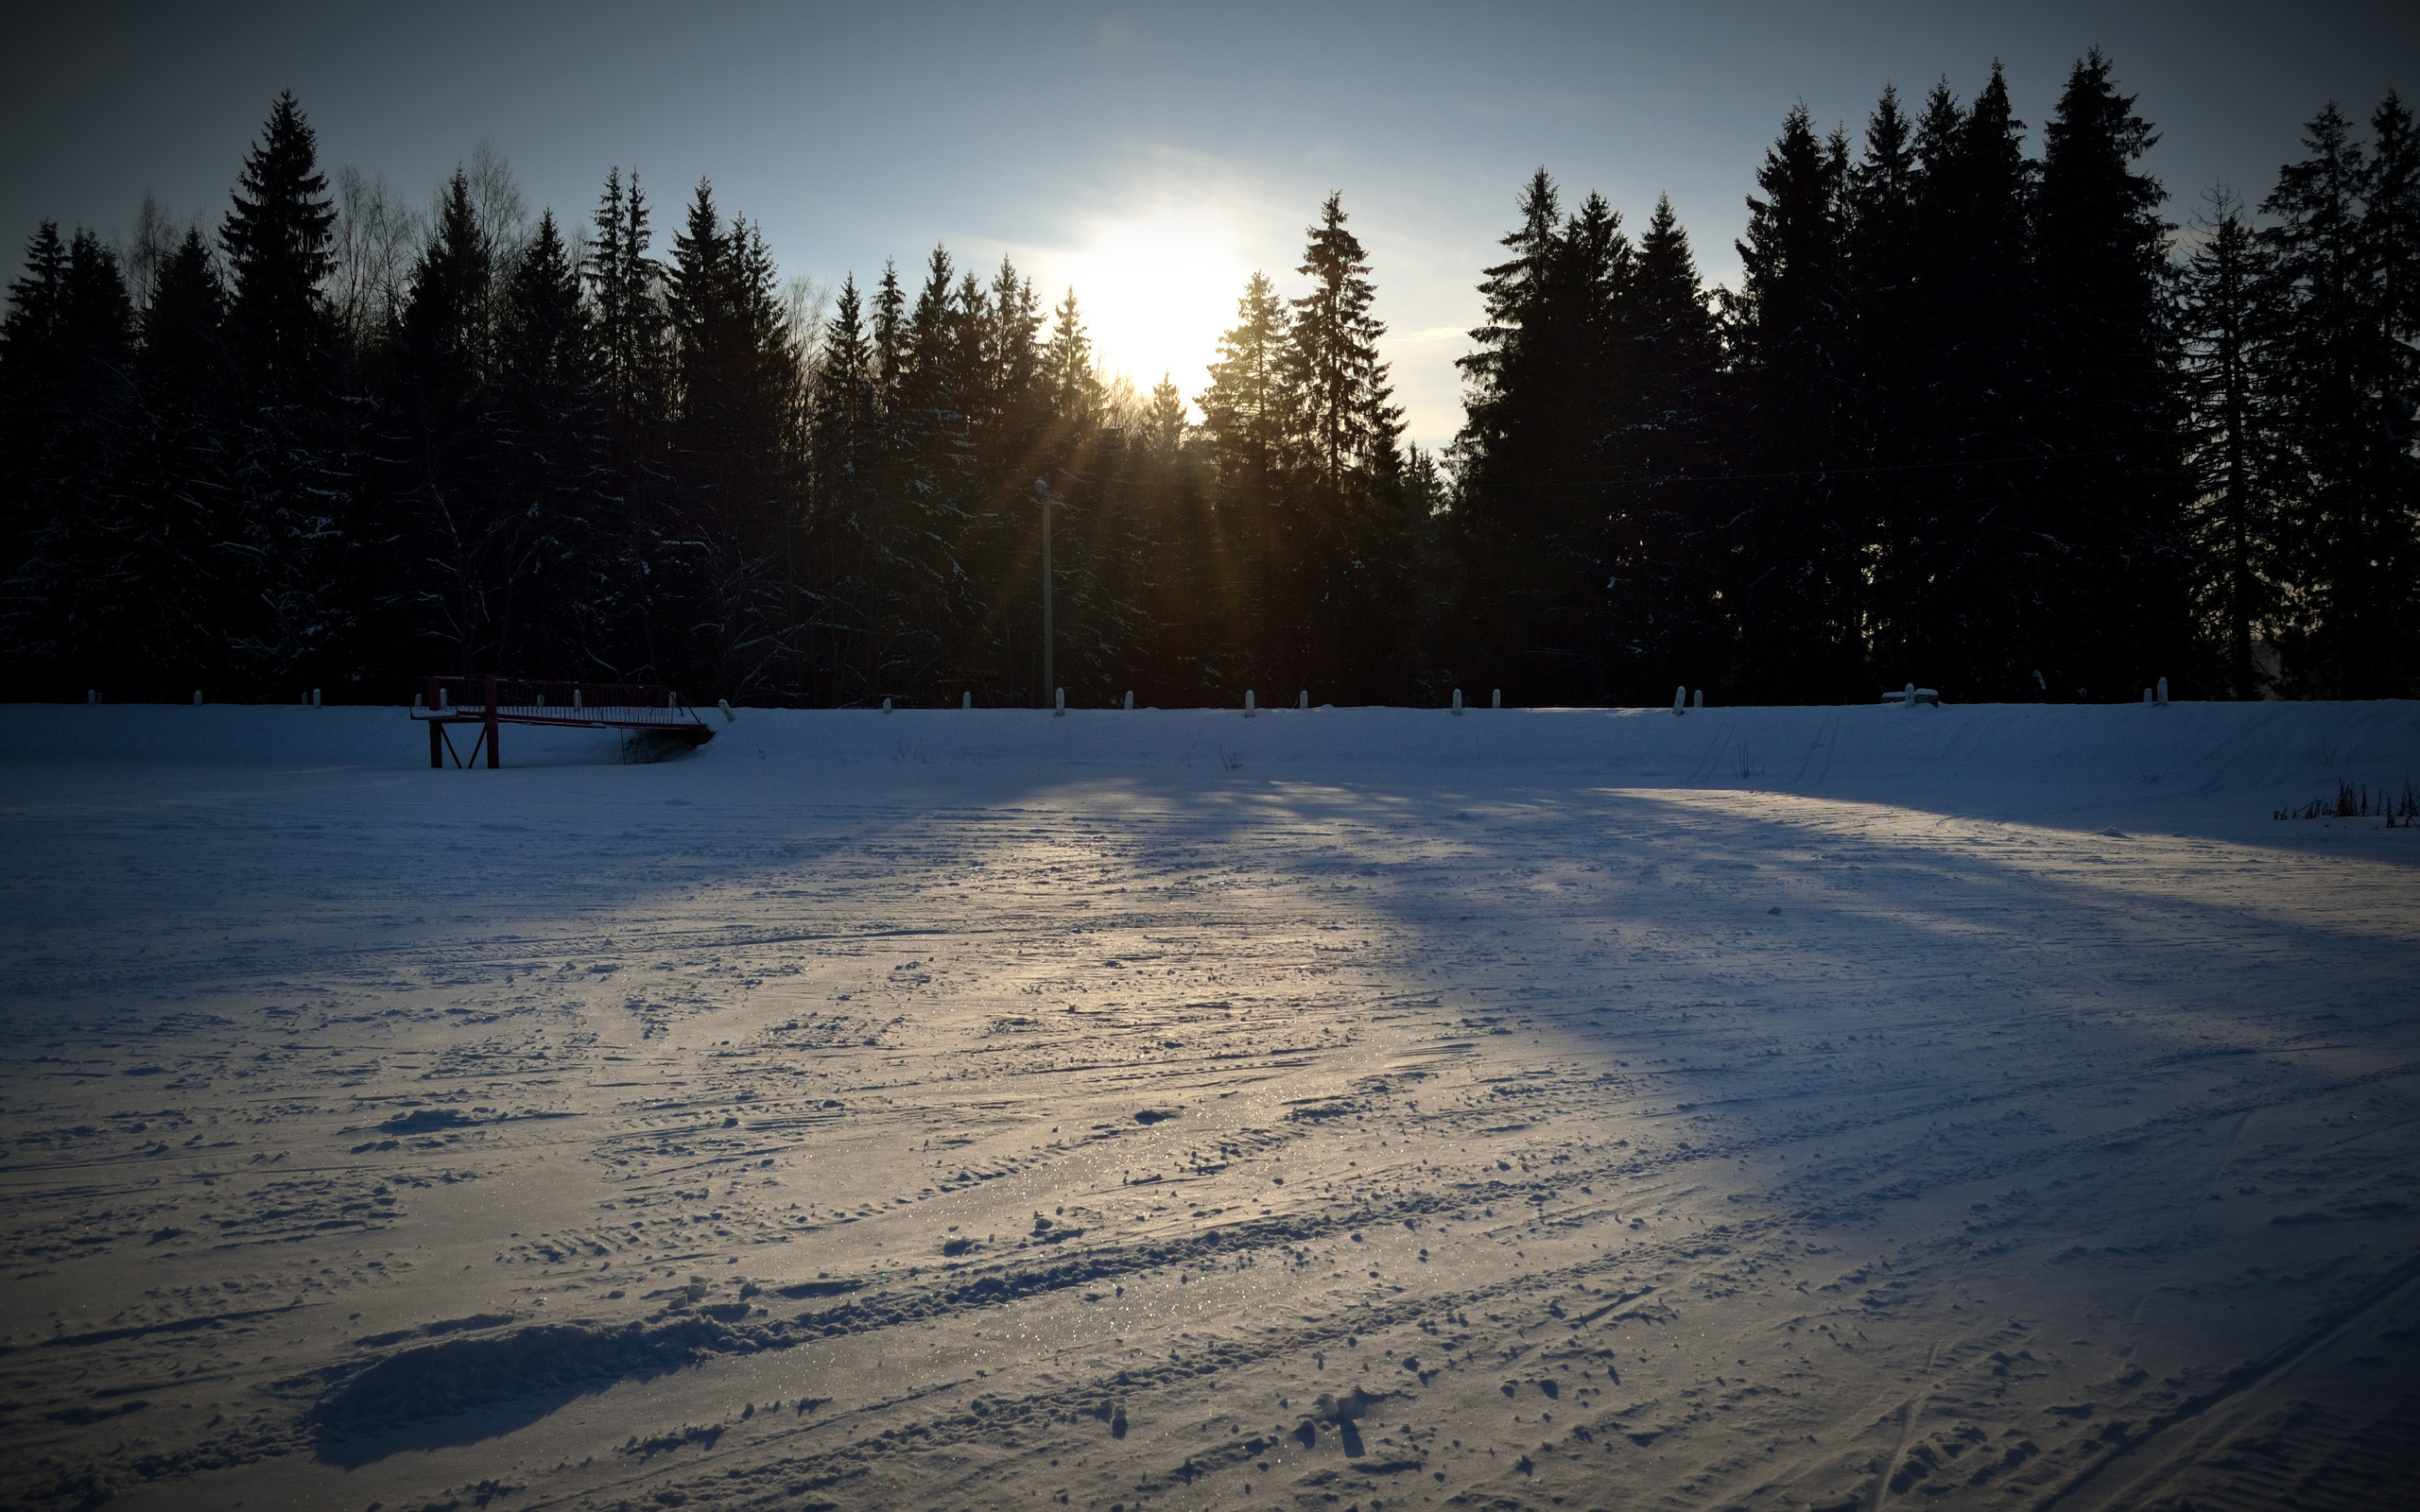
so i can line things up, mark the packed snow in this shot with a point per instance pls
(1346, 1109)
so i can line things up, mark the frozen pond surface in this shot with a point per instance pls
(1344, 1109)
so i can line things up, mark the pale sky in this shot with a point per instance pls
(1154, 155)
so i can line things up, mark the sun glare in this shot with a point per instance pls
(1155, 296)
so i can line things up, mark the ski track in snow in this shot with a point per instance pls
(1831, 1108)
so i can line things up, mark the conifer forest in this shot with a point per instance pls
(1990, 410)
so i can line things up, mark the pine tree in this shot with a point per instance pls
(277, 242)
(1249, 414)
(1540, 509)
(2112, 504)
(1334, 358)
(1658, 585)
(550, 452)
(1164, 422)
(2344, 412)
(444, 329)
(184, 324)
(630, 622)
(462, 538)
(1798, 545)
(1971, 574)
(1068, 370)
(1337, 614)
(736, 406)
(2224, 324)
(297, 460)
(1249, 409)
(67, 584)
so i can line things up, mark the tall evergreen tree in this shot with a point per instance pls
(1798, 542)
(304, 577)
(2223, 326)
(463, 540)
(1543, 457)
(2344, 419)
(1658, 584)
(1351, 427)
(277, 243)
(623, 288)
(2112, 502)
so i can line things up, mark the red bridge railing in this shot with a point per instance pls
(491, 702)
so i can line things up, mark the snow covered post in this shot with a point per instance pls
(1681, 701)
(91, 695)
(1907, 701)
(728, 717)
(886, 705)
(575, 698)
(1458, 702)
(196, 698)
(2147, 698)
(1495, 698)
(1698, 698)
(1059, 709)
(315, 698)
(966, 699)
(1129, 700)
(1303, 699)
(2162, 691)
(1248, 704)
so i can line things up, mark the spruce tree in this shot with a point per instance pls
(2111, 505)
(2224, 324)
(1249, 409)
(2348, 449)
(623, 285)
(1341, 623)
(463, 538)
(1658, 583)
(277, 242)
(1334, 356)
(1798, 551)
(550, 454)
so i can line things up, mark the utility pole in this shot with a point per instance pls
(1047, 680)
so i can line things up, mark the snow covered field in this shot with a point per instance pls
(1353, 1109)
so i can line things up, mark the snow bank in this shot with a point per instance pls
(2009, 758)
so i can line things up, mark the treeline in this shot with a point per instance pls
(1973, 418)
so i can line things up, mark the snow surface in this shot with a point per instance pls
(1353, 1109)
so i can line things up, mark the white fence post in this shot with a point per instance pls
(886, 705)
(1249, 710)
(1457, 701)
(966, 699)
(1303, 699)
(2162, 690)
(1681, 701)
(1059, 705)
(1129, 700)
(197, 697)
(1698, 698)
(1495, 698)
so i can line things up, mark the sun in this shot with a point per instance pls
(1156, 295)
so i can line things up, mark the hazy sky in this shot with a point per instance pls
(1153, 155)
